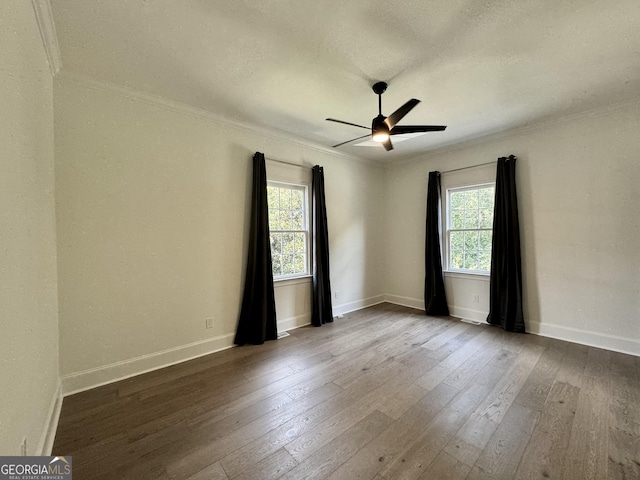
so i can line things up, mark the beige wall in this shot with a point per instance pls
(28, 303)
(152, 210)
(152, 229)
(578, 187)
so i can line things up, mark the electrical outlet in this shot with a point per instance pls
(336, 294)
(208, 323)
(23, 447)
(476, 298)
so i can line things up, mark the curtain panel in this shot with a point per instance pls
(505, 298)
(257, 321)
(322, 308)
(435, 299)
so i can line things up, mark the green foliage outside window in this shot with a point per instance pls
(287, 228)
(470, 228)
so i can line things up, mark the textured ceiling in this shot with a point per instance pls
(478, 66)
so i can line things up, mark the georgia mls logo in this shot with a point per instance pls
(63, 466)
(35, 468)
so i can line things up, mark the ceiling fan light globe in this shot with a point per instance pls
(379, 129)
(380, 137)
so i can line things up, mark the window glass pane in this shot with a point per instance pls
(457, 259)
(471, 259)
(486, 197)
(287, 213)
(297, 220)
(288, 245)
(274, 215)
(457, 219)
(470, 216)
(287, 265)
(272, 197)
(276, 243)
(285, 220)
(471, 219)
(285, 198)
(484, 261)
(471, 200)
(277, 264)
(485, 240)
(299, 263)
(470, 240)
(486, 218)
(299, 242)
(457, 200)
(457, 240)
(297, 199)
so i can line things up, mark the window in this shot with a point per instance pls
(288, 226)
(469, 228)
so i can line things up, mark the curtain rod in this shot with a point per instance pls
(466, 168)
(286, 163)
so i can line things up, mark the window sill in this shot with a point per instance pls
(283, 282)
(484, 277)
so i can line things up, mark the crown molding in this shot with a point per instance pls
(185, 109)
(44, 17)
(86, 81)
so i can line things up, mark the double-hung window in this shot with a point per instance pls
(469, 227)
(289, 229)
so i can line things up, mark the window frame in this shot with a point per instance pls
(306, 189)
(447, 210)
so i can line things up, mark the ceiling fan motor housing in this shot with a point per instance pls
(379, 88)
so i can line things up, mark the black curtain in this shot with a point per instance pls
(322, 309)
(435, 299)
(505, 300)
(257, 321)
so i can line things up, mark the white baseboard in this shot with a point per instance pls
(468, 314)
(357, 305)
(294, 322)
(458, 312)
(45, 444)
(95, 377)
(405, 301)
(103, 375)
(585, 337)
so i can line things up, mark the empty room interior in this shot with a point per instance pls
(434, 205)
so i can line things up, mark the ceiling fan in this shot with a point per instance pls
(383, 127)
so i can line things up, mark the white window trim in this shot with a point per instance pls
(283, 282)
(281, 174)
(306, 227)
(470, 275)
(446, 254)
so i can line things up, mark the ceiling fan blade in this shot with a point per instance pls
(352, 140)
(347, 123)
(399, 129)
(396, 116)
(387, 145)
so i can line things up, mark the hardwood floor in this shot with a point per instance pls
(385, 393)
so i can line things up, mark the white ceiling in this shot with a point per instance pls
(478, 66)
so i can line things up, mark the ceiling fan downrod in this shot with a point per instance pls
(379, 88)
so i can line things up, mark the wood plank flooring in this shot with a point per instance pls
(385, 393)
